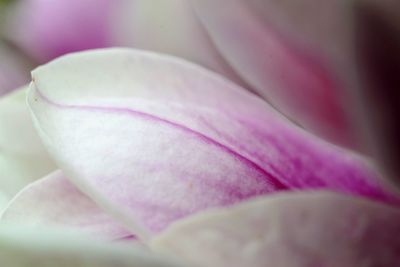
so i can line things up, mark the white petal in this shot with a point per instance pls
(54, 202)
(289, 230)
(23, 158)
(20, 247)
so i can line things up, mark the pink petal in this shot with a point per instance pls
(46, 29)
(54, 202)
(153, 138)
(289, 52)
(289, 230)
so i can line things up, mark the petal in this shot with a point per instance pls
(140, 132)
(288, 51)
(23, 158)
(54, 202)
(21, 247)
(289, 230)
(169, 27)
(58, 27)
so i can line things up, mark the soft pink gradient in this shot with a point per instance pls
(46, 29)
(289, 53)
(157, 139)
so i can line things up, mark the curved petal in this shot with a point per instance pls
(23, 158)
(20, 247)
(140, 132)
(289, 52)
(289, 230)
(169, 27)
(54, 202)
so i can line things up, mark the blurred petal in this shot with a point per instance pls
(289, 230)
(14, 71)
(57, 27)
(170, 27)
(140, 132)
(22, 156)
(54, 202)
(20, 247)
(287, 51)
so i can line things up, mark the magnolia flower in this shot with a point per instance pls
(147, 143)
(163, 162)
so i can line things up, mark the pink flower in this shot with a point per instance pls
(150, 149)
(151, 139)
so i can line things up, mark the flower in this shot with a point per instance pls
(145, 140)
(163, 162)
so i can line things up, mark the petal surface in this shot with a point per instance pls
(289, 230)
(169, 27)
(54, 202)
(289, 52)
(23, 158)
(140, 132)
(20, 247)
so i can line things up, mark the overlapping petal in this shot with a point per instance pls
(54, 202)
(20, 247)
(293, 53)
(153, 138)
(23, 158)
(289, 230)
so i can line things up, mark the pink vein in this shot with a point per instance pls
(277, 183)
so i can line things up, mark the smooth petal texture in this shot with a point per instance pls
(289, 230)
(170, 27)
(20, 247)
(54, 202)
(23, 158)
(289, 52)
(14, 71)
(140, 132)
(57, 27)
